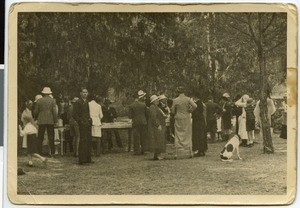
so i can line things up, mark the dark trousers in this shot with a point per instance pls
(109, 139)
(212, 128)
(41, 133)
(68, 141)
(84, 151)
(139, 139)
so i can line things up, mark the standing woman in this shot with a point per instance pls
(226, 116)
(156, 128)
(199, 135)
(27, 113)
(96, 116)
(182, 108)
(242, 131)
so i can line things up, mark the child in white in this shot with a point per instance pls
(30, 134)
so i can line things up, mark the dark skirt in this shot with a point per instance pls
(32, 143)
(199, 135)
(212, 125)
(250, 125)
(283, 133)
(226, 122)
(157, 139)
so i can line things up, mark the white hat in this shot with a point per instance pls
(37, 97)
(226, 95)
(46, 90)
(161, 97)
(245, 97)
(153, 98)
(141, 93)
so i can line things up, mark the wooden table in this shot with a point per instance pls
(120, 126)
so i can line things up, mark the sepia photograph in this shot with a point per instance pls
(153, 101)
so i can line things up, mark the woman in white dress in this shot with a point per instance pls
(96, 116)
(242, 102)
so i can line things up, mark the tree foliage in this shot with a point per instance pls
(208, 52)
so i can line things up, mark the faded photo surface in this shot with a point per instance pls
(144, 103)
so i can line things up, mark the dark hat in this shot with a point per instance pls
(180, 89)
(250, 101)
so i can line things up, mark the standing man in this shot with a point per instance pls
(74, 128)
(110, 116)
(137, 112)
(81, 114)
(212, 111)
(46, 112)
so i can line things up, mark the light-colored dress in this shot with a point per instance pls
(182, 108)
(96, 116)
(242, 118)
(27, 113)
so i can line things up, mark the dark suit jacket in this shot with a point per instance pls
(81, 113)
(212, 109)
(109, 114)
(46, 111)
(137, 112)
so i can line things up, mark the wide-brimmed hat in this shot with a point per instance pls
(75, 99)
(141, 93)
(37, 97)
(161, 97)
(250, 101)
(226, 95)
(47, 90)
(153, 98)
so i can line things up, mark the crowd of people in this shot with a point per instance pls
(185, 121)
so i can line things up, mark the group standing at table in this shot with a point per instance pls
(155, 121)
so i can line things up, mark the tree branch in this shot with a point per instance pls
(237, 19)
(269, 24)
(251, 29)
(275, 46)
(240, 30)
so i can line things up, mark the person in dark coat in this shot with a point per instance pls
(212, 111)
(110, 115)
(226, 116)
(81, 114)
(137, 112)
(46, 112)
(199, 135)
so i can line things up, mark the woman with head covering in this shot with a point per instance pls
(182, 108)
(165, 108)
(226, 116)
(242, 132)
(156, 128)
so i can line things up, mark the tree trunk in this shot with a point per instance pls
(265, 124)
(210, 47)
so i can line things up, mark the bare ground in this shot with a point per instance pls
(122, 173)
